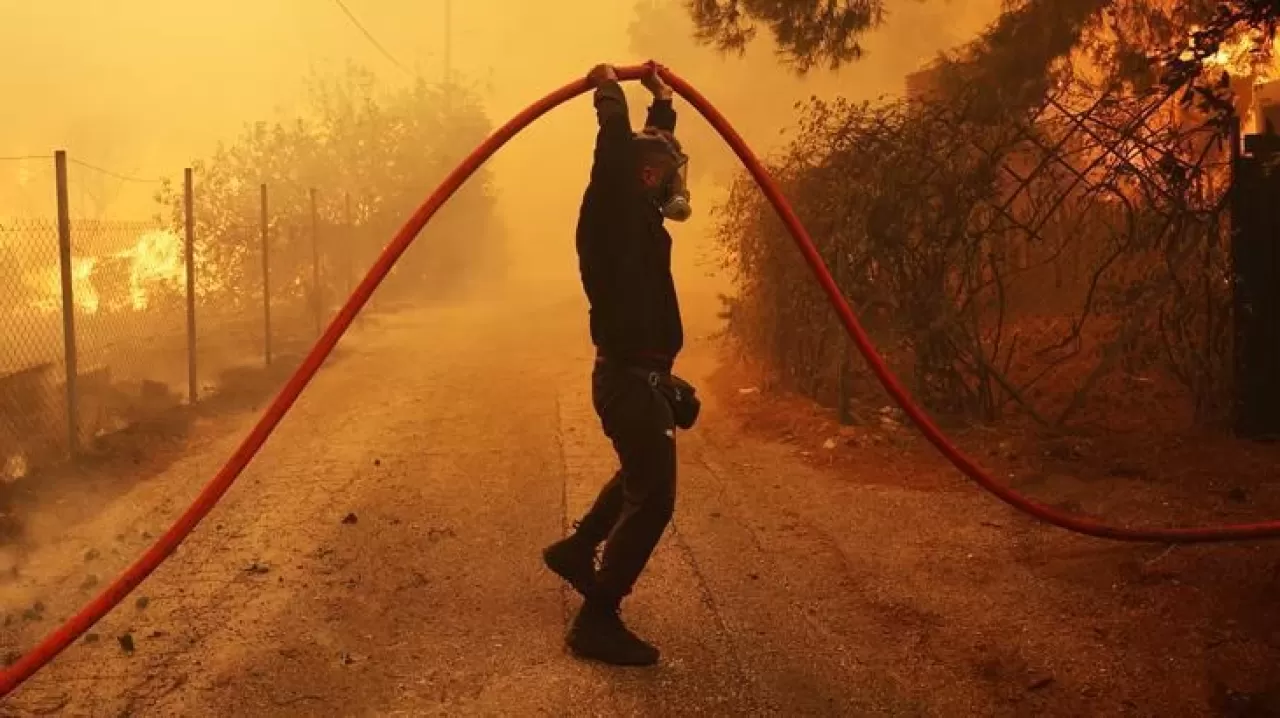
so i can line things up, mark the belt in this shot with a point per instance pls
(641, 362)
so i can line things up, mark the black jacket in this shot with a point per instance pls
(624, 252)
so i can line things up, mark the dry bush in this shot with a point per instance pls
(1043, 260)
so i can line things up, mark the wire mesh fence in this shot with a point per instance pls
(145, 331)
(130, 322)
(269, 283)
(32, 370)
(293, 250)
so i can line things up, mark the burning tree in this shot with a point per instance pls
(1038, 222)
(1124, 34)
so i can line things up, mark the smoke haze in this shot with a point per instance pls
(145, 87)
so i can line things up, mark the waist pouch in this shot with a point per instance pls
(680, 394)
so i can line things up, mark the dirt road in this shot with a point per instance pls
(380, 557)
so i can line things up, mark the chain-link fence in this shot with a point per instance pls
(128, 291)
(116, 307)
(32, 369)
(305, 270)
(270, 279)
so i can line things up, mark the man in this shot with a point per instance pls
(624, 256)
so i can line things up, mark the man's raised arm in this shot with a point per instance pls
(614, 138)
(662, 115)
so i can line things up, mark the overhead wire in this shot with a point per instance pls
(87, 165)
(112, 173)
(120, 176)
(372, 40)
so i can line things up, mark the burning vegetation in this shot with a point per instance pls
(1035, 228)
(129, 280)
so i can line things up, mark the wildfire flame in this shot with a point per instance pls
(1255, 75)
(1240, 56)
(154, 261)
(157, 258)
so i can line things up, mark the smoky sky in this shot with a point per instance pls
(143, 87)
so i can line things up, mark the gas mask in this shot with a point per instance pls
(664, 169)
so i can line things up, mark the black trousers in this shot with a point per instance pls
(635, 506)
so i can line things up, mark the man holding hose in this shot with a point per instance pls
(624, 256)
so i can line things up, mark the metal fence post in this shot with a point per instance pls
(266, 279)
(1256, 299)
(68, 303)
(317, 302)
(188, 209)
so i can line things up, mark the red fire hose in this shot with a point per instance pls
(67, 633)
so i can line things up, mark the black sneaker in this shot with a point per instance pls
(598, 634)
(574, 560)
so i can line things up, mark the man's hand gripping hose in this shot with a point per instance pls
(73, 628)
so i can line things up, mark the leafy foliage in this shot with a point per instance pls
(807, 32)
(380, 151)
